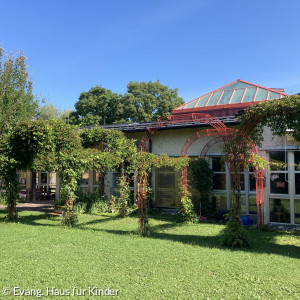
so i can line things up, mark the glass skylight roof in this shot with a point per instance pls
(234, 93)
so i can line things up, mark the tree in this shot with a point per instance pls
(143, 102)
(148, 101)
(17, 102)
(49, 112)
(98, 106)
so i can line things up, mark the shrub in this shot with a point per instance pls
(80, 208)
(99, 207)
(90, 202)
(234, 235)
(69, 220)
(202, 177)
(113, 204)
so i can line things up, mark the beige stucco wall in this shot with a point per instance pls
(170, 142)
(276, 142)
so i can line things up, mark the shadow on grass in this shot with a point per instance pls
(263, 242)
(97, 221)
(263, 245)
(32, 219)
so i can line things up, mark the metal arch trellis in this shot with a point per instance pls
(235, 161)
(177, 119)
(223, 136)
(142, 175)
(235, 157)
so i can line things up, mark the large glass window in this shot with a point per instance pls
(202, 101)
(297, 172)
(214, 99)
(279, 183)
(249, 95)
(219, 173)
(280, 210)
(166, 187)
(252, 204)
(44, 178)
(225, 97)
(284, 186)
(252, 191)
(45, 185)
(243, 204)
(85, 178)
(237, 96)
(221, 201)
(84, 182)
(261, 94)
(22, 180)
(219, 182)
(252, 181)
(297, 211)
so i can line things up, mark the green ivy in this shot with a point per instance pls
(279, 115)
(202, 177)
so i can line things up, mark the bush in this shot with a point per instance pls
(234, 235)
(69, 221)
(80, 208)
(100, 207)
(209, 207)
(113, 204)
(202, 177)
(90, 202)
(2, 197)
(22, 197)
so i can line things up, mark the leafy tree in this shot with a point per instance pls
(98, 106)
(143, 102)
(67, 115)
(49, 112)
(148, 101)
(17, 102)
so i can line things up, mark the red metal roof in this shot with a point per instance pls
(230, 99)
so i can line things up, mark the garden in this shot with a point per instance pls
(134, 248)
(178, 260)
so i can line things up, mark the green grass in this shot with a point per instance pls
(176, 262)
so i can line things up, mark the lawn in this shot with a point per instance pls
(177, 262)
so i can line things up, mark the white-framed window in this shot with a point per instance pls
(132, 185)
(284, 187)
(84, 181)
(222, 188)
(279, 188)
(297, 187)
(46, 183)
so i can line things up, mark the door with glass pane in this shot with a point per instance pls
(45, 185)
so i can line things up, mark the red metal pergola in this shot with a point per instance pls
(236, 157)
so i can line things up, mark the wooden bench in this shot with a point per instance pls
(57, 211)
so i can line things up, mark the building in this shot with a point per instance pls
(281, 187)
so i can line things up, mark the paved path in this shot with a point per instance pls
(34, 206)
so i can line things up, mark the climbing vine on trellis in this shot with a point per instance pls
(47, 146)
(53, 146)
(145, 161)
(279, 115)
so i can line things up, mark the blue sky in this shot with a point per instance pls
(196, 46)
